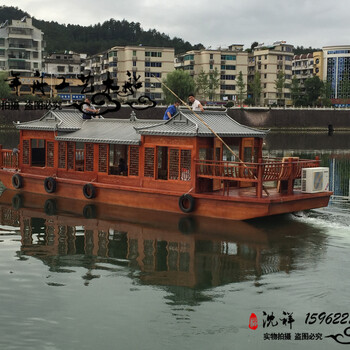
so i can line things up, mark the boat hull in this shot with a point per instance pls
(213, 205)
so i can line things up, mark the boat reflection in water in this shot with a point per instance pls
(164, 249)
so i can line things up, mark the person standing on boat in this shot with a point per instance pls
(195, 104)
(89, 111)
(171, 110)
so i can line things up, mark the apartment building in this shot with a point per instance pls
(21, 47)
(67, 64)
(229, 62)
(303, 67)
(269, 60)
(150, 65)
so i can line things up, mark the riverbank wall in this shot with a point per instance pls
(274, 118)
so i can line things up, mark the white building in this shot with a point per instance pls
(68, 64)
(21, 47)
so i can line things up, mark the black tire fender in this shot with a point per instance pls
(186, 203)
(17, 181)
(89, 191)
(50, 185)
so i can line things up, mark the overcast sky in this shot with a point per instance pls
(212, 23)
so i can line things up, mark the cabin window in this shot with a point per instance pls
(162, 155)
(134, 161)
(38, 152)
(149, 162)
(185, 165)
(50, 154)
(89, 161)
(62, 154)
(79, 156)
(102, 158)
(70, 155)
(174, 157)
(25, 152)
(118, 160)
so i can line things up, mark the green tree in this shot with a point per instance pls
(241, 89)
(181, 83)
(202, 84)
(255, 87)
(213, 83)
(326, 93)
(296, 93)
(313, 89)
(280, 83)
(5, 90)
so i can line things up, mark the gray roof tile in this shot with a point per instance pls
(71, 127)
(186, 123)
(117, 131)
(62, 120)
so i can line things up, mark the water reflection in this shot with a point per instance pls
(164, 250)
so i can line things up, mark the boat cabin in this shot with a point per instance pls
(183, 154)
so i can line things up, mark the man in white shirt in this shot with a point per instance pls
(195, 104)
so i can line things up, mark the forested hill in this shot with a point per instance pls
(98, 37)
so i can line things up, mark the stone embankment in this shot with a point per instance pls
(288, 119)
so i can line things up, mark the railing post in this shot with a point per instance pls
(259, 186)
(0, 156)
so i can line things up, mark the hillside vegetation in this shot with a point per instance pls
(98, 37)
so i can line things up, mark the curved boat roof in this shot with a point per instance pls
(71, 127)
(202, 124)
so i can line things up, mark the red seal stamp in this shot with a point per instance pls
(253, 321)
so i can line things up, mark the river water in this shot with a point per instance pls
(76, 277)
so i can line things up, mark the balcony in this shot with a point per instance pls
(267, 170)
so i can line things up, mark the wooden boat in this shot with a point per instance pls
(173, 166)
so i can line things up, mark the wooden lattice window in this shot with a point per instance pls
(70, 155)
(62, 154)
(174, 164)
(89, 159)
(26, 152)
(102, 159)
(185, 165)
(134, 161)
(149, 162)
(50, 154)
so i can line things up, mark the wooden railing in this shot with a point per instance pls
(8, 159)
(267, 169)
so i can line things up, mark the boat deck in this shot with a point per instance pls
(271, 194)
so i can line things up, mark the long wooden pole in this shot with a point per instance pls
(206, 124)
